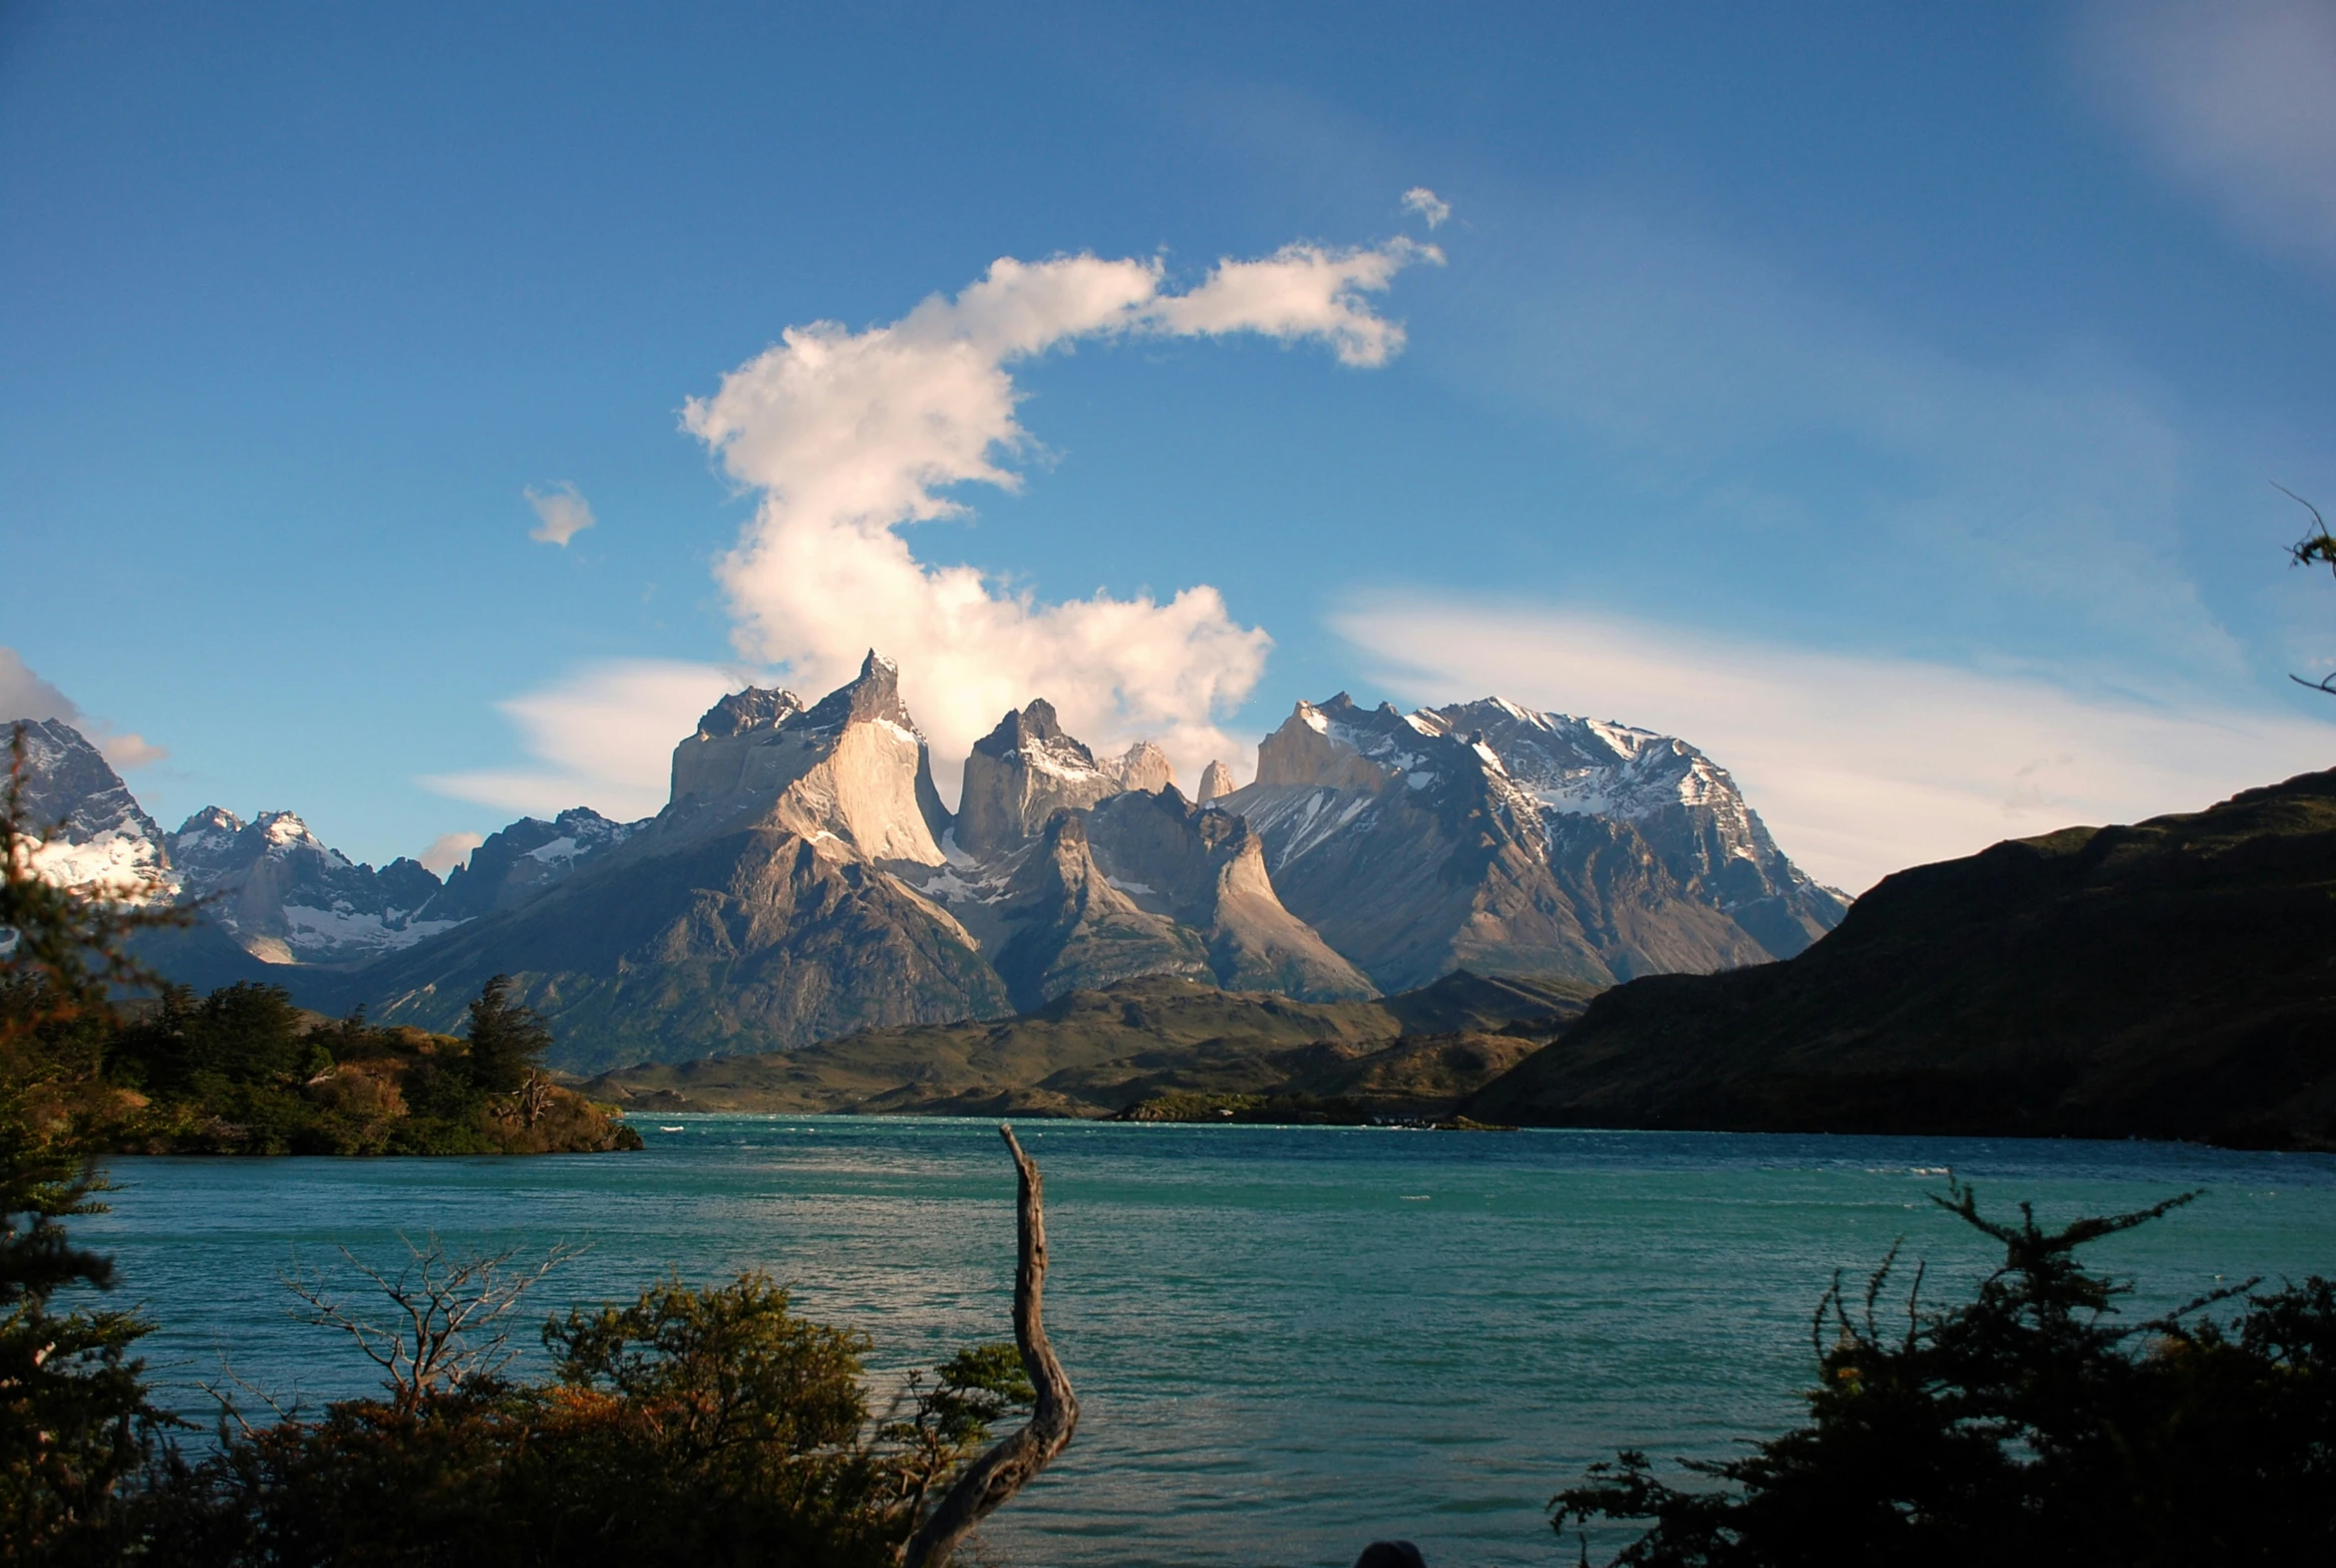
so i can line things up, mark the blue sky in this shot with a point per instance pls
(1886, 398)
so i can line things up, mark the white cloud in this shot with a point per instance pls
(604, 736)
(1427, 206)
(448, 850)
(561, 513)
(24, 695)
(2236, 97)
(1860, 765)
(850, 434)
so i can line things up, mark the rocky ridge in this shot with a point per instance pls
(286, 896)
(1602, 852)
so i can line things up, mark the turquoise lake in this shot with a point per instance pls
(1286, 1341)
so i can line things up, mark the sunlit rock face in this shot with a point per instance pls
(760, 910)
(1206, 869)
(852, 776)
(1022, 772)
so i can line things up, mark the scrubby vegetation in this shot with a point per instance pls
(2027, 1426)
(701, 1425)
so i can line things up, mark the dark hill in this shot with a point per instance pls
(2175, 979)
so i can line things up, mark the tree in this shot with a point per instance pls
(74, 1417)
(508, 1040)
(2025, 1426)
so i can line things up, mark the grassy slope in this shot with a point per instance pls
(1093, 1052)
(2171, 979)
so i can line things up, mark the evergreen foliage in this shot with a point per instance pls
(508, 1040)
(2025, 1426)
(244, 1071)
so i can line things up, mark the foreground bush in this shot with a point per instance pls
(693, 1426)
(2027, 1426)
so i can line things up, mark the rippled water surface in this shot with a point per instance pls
(1285, 1341)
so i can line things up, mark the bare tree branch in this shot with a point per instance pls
(2317, 546)
(451, 1310)
(997, 1476)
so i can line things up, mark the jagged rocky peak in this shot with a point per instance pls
(528, 858)
(1340, 745)
(851, 774)
(1217, 780)
(756, 708)
(1145, 767)
(872, 697)
(286, 896)
(1022, 772)
(99, 839)
(1206, 869)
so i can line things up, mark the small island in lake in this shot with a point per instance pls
(246, 1071)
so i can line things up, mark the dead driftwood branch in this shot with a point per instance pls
(998, 1474)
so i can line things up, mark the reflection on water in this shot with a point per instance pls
(1285, 1341)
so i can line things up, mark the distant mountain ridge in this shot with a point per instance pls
(1602, 852)
(804, 880)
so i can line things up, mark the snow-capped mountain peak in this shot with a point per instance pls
(99, 839)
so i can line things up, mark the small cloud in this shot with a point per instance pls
(563, 513)
(24, 695)
(448, 850)
(128, 750)
(1427, 204)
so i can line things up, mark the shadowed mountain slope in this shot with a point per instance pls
(2173, 979)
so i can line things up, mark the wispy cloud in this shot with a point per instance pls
(1860, 765)
(1426, 205)
(24, 695)
(561, 513)
(2234, 97)
(602, 738)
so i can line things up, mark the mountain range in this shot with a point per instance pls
(805, 881)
